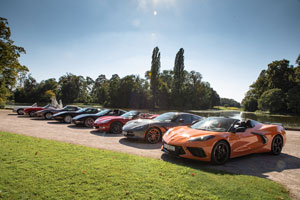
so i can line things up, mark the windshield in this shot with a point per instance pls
(130, 114)
(47, 106)
(214, 124)
(103, 112)
(166, 117)
(81, 110)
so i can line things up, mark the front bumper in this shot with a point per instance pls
(102, 127)
(134, 134)
(76, 122)
(196, 153)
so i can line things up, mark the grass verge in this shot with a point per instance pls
(32, 168)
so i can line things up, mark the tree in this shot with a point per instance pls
(293, 99)
(154, 76)
(229, 102)
(179, 76)
(9, 63)
(272, 100)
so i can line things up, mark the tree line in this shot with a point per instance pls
(276, 90)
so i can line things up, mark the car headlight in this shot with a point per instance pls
(102, 122)
(201, 138)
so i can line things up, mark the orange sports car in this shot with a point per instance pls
(216, 139)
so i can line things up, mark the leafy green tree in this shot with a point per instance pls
(293, 99)
(100, 91)
(9, 63)
(178, 82)
(154, 76)
(229, 102)
(272, 100)
(250, 101)
(72, 89)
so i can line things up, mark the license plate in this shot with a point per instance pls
(169, 147)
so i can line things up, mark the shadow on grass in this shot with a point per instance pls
(139, 143)
(104, 134)
(254, 164)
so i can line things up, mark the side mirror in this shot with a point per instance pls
(181, 120)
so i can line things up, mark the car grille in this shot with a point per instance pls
(197, 151)
(178, 150)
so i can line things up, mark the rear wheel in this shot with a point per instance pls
(277, 145)
(153, 135)
(48, 115)
(89, 122)
(31, 113)
(116, 127)
(220, 153)
(67, 119)
(20, 111)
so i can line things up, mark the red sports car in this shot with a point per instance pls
(114, 124)
(31, 111)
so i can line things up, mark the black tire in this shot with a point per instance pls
(89, 122)
(116, 127)
(153, 135)
(220, 153)
(31, 114)
(68, 119)
(277, 144)
(20, 111)
(48, 115)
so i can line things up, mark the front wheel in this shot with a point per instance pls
(277, 145)
(48, 115)
(20, 111)
(89, 122)
(67, 119)
(220, 153)
(116, 127)
(153, 135)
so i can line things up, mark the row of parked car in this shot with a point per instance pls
(187, 135)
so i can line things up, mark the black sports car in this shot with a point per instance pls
(66, 116)
(153, 129)
(49, 112)
(88, 119)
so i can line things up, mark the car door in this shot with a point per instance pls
(248, 140)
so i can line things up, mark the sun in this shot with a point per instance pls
(155, 13)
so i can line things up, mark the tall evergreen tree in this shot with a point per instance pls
(154, 76)
(179, 76)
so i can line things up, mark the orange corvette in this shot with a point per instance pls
(216, 139)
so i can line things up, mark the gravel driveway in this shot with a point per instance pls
(284, 168)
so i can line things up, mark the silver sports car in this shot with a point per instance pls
(152, 129)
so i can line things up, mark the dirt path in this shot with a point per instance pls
(284, 168)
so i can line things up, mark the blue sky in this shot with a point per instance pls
(228, 41)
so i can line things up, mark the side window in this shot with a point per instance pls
(185, 117)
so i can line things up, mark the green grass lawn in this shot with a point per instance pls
(227, 108)
(32, 168)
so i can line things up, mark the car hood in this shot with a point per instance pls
(104, 118)
(184, 133)
(140, 122)
(84, 115)
(63, 112)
